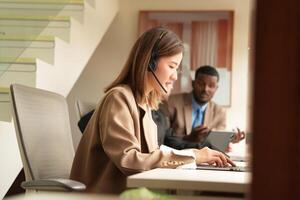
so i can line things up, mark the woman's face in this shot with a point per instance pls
(166, 72)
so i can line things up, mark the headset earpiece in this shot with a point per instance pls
(152, 63)
(153, 58)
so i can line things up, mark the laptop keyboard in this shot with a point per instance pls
(228, 168)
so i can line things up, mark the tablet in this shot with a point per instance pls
(220, 140)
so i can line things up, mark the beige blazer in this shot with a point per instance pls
(119, 140)
(178, 108)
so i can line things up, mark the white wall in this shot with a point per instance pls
(114, 48)
(10, 160)
(71, 57)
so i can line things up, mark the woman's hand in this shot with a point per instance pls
(212, 157)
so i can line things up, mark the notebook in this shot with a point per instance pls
(220, 140)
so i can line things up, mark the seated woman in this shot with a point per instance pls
(121, 137)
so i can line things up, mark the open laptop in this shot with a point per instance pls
(227, 168)
(219, 140)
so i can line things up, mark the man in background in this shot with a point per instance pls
(193, 115)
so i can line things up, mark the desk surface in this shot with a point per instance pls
(62, 196)
(198, 180)
(85, 196)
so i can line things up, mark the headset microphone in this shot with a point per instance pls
(153, 60)
(160, 84)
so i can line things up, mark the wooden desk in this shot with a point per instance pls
(192, 180)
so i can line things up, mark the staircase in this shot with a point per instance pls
(44, 44)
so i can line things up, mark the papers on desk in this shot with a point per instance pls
(239, 158)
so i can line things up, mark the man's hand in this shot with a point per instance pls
(229, 148)
(238, 136)
(198, 134)
(212, 157)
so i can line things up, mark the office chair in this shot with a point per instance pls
(43, 131)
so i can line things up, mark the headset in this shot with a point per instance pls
(153, 60)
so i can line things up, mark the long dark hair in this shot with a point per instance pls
(134, 72)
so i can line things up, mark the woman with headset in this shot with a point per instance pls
(121, 137)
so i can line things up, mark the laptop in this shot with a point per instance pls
(220, 140)
(227, 168)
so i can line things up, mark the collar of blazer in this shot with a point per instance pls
(187, 100)
(149, 129)
(188, 112)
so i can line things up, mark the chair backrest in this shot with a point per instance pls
(43, 131)
(83, 108)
